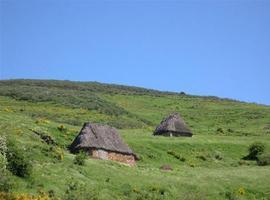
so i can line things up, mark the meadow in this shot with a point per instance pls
(209, 165)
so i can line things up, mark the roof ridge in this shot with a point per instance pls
(93, 130)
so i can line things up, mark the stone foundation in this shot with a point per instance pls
(174, 134)
(108, 155)
(99, 153)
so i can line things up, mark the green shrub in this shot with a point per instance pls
(176, 155)
(6, 183)
(230, 130)
(151, 192)
(191, 164)
(230, 196)
(78, 191)
(44, 136)
(220, 131)
(3, 152)
(126, 189)
(51, 194)
(73, 95)
(255, 150)
(151, 156)
(80, 158)
(18, 163)
(58, 153)
(62, 128)
(218, 156)
(202, 157)
(7, 196)
(263, 160)
(54, 152)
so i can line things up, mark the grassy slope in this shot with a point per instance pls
(208, 178)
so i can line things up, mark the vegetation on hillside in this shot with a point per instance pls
(39, 120)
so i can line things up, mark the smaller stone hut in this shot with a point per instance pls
(103, 142)
(173, 125)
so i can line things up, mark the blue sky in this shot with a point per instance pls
(202, 47)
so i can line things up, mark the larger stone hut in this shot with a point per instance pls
(103, 142)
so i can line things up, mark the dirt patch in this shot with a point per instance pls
(166, 168)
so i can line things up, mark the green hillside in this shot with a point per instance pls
(207, 166)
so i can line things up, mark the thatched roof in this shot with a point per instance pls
(173, 124)
(99, 137)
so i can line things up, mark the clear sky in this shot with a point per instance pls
(203, 47)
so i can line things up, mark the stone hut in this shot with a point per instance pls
(103, 142)
(173, 125)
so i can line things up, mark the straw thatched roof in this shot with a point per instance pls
(173, 125)
(96, 136)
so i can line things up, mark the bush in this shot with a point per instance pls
(230, 196)
(194, 195)
(73, 95)
(18, 162)
(7, 196)
(218, 156)
(151, 156)
(151, 192)
(78, 191)
(255, 150)
(62, 128)
(220, 131)
(46, 138)
(58, 153)
(263, 160)
(230, 130)
(176, 155)
(80, 158)
(3, 152)
(12, 196)
(6, 183)
(202, 157)
(191, 164)
(42, 121)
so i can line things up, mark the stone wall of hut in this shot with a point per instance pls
(175, 134)
(108, 155)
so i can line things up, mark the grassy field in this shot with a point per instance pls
(207, 166)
